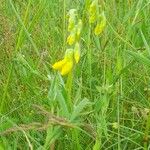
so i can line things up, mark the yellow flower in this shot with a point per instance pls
(100, 25)
(71, 39)
(77, 52)
(58, 65)
(92, 18)
(71, 24)
(77, 56)
(72, 19)
(93, 11)
(79, 28)
(99, 29)
(65, 65)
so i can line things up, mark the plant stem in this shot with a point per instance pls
(69, 89)
(74, 133)
(64, 25)
(147, 132)
(89, 57)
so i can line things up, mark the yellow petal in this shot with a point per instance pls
(77, 56)
(99, 28)
(101, 24)
(69, 54)
(77, 52)
(71, 23)
(71, 39)
(79, 28)
(67, 68)
(92, 9)
(92, 18)
(58, 65)
(93, 12)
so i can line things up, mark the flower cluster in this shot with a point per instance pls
(74, 27)
(96, 16)
(72, 55)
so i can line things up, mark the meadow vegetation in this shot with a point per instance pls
(74, 78)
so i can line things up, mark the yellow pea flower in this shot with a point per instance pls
(71, 38)
(71, 23)
(92, 8)
(72, 19)
(58, 65)
(79, 28)
(77, 56)
(67, 67)
(100, 25)
(92, 18)
(99, 29)
(77, 52)
(93, 11)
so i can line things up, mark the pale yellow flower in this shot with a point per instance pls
(77, 56)
(71, 24)
(99, 29)
(93, 5)
(77, 52)
(79, 28)
(72, 19)
(93, 11)
(100, 25)
(92, 18)
(71, 39)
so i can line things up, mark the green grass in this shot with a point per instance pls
(104, 105)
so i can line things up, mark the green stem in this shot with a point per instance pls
(74, 132)
(119, 93)
(89, 57)
(146, 135)
(69, 89)
(64, 25)
(118, 116)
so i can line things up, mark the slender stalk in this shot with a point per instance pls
(119, 93)
(146, 134)
(89, 57)
(64, 25)
(74, 132)
(118, 115)
(69, 89)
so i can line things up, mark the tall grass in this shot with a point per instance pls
(103, 104)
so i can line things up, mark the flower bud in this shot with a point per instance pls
(71, 38)
(79, 28)
(69, 54)
(93, 11)
(72, 19)
(77, 52)
(100, 25)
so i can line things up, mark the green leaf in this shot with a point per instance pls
(145, 42)
(63, 105)
(140, 58)
(79, 108)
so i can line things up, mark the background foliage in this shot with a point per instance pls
(109, 105)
